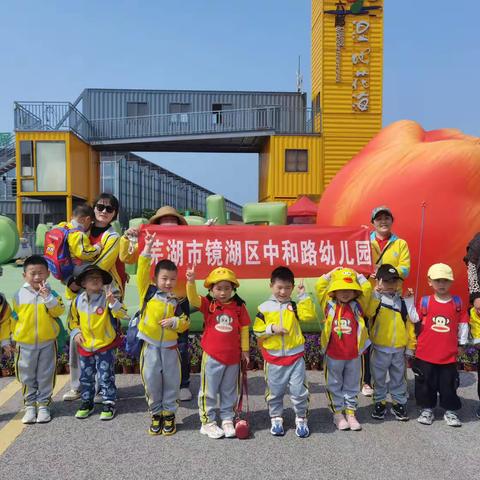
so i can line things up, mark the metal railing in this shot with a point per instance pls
(64, 116)
(47, 116)
(278, 119)
(7, 156)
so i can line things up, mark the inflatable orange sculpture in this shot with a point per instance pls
(431, 182)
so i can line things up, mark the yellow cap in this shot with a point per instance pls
(221, 274)
(344, 279)
(440, 270)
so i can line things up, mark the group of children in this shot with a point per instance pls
(358, 312)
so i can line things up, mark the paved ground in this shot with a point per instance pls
(72, 449)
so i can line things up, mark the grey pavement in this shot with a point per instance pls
(68, 448)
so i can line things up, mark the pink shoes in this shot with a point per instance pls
(353, 422)
(340, 421)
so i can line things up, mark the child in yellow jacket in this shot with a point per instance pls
(161, 320)
(34, 329)
(282, 343)
(344, 295)
(5, 313)
(93, 323)
(392, 332)
(79, 245)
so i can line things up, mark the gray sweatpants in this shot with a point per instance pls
(343, 379)
(394, 364)
(35, 370)
(217, 380)
(161, 377)
(281, 377)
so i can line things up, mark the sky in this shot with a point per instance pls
(53, 49)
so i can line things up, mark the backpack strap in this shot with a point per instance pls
(403, 310)
(424, 302)
(151, 291)
(382, 253)
(375, 315)
(295, 309)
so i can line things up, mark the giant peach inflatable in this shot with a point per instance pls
(431, 182)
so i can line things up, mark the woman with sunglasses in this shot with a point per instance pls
(106, 208)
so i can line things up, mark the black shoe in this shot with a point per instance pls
(400, 412)
(477, 412)
(108, 412)
(156, 425)
(379, 410)
(169, 427)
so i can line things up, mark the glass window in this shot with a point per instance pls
(28, 186)
(26, 158)
(137, 109)
(296, 160)
(51, 166)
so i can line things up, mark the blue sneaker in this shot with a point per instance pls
(277, 427)
(301, 429)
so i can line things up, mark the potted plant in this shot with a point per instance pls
(127, 366)
(4, 366)
(62, 360)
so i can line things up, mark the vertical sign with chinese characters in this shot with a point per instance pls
(361, 64)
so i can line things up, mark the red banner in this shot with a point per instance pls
(254, 251)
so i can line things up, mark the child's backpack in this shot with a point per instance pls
(133, 344)
(57, 253)
(425, 301)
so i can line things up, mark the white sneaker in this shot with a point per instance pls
(212, 430)
(451, 418)
(30, 415)
(43, 415)
(185, 394)
(367, 390)
(228, 429)
(71, 395)
(426, 417)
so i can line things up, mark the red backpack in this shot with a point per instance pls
(57, 253)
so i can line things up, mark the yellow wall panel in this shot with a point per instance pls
(345, 129)
(275, 183)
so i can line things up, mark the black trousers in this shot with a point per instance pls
(433, 380)
(367, 376)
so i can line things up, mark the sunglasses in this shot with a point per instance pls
(108, 208)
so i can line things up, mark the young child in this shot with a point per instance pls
(393, 338)
(344, 295)
(225, 344)
(35, 310)
(282, 344)
(5, 313)
(444, 326)
(93, 322)
(161, 321)
(475, 332)
(79, 245)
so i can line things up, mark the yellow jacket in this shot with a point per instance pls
(388, 329)
(475, 326)
(34, 319)
(396, 254)
(95, 320)
(5, 313)
(329, 306)
(130, 256)
(272, 312)
(159, 307)
(110, 243)
(79, 244)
